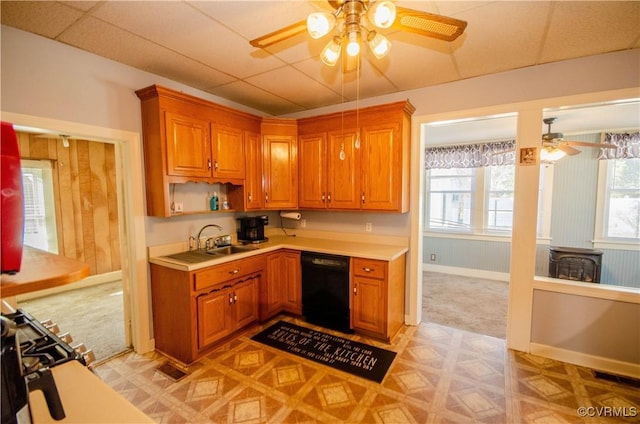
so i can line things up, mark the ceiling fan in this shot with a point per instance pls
(555, 147)
(357, 21)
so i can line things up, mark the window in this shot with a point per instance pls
(450, 198)
(39, 210)
(499, 195)
(622, 199)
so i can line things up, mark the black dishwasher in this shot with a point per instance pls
(325, 290)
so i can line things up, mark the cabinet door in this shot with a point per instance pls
(228, 153)
(253, 193)
(280, 169)
(313, 169)
(292, 290)
(343, 170)
(382, 168)
(188, 146)
(245, 301)
(271, 292)
(214, 317)
(367, 310)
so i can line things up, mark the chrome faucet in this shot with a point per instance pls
(201, 230)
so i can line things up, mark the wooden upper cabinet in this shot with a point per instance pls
(343, 170)
(188, 146)
(187, 139)
(253, 192)
(228, 153)
(313, 171)
(366, 163)
(280, 163)
(382, 177)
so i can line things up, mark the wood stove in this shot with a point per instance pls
(572, 263)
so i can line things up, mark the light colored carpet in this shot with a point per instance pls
(471, 304)
(92, 315)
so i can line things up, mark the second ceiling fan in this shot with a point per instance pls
(359, 21)
(554, 146)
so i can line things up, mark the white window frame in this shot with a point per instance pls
(602, 197)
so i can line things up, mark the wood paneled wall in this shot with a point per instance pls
(84, 179)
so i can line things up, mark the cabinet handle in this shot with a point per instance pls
(215, 165)
(230, 299)
(234, 272)
(367, 269)
(322, 197)
(266, 197)
(250, 197)
(329, 197)
(363, 197)
(209, 163)
(355, 290)
(235, 298)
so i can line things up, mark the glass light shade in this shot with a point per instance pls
(382, 14)
(331, 53)
(353, 47)
(551, 154)
(379, 45)
(320, 23)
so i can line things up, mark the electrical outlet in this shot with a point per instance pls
(177, 207)
(433, 256)
(368, 227)
(303, 223)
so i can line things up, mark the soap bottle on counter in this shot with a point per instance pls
(214, 202)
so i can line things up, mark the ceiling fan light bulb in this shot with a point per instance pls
(382, 14)
(551, 154)
(320, 23)
(330, 53)
(353, 47)
(379, 45)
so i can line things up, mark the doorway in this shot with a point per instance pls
(72, 209)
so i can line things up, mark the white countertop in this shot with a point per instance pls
(379, 251)
(85, 399)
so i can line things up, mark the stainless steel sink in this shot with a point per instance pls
(202, 255)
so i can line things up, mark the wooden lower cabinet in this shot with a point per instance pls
(223, 311)
(192, 311)
(377, 296)
(282, 288)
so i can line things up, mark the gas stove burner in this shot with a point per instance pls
(39, 347)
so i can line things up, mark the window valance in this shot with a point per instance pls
(628, 146)
(471, 155)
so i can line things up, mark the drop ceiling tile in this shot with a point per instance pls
(295, 86)
(252, 96)
(502, 36)
(44, 18)
(573, 33)
(180, 27)
(90, 33)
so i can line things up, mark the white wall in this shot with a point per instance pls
(46, 79)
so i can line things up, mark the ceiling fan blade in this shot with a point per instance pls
(568, 149)
(279, 35)
(428, 24)
(586, 144)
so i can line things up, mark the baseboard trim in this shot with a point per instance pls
(599, 363)
(467, 272)
(92, 280)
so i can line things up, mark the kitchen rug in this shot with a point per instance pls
(356, 358)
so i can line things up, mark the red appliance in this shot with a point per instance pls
(12, 211)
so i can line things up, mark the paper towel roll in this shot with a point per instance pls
(291, 215)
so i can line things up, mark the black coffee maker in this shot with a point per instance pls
(252, 229)
(19, 378)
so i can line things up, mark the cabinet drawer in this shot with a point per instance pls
(369, 268)
(228, 271)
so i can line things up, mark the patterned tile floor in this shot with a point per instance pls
(440, 375)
